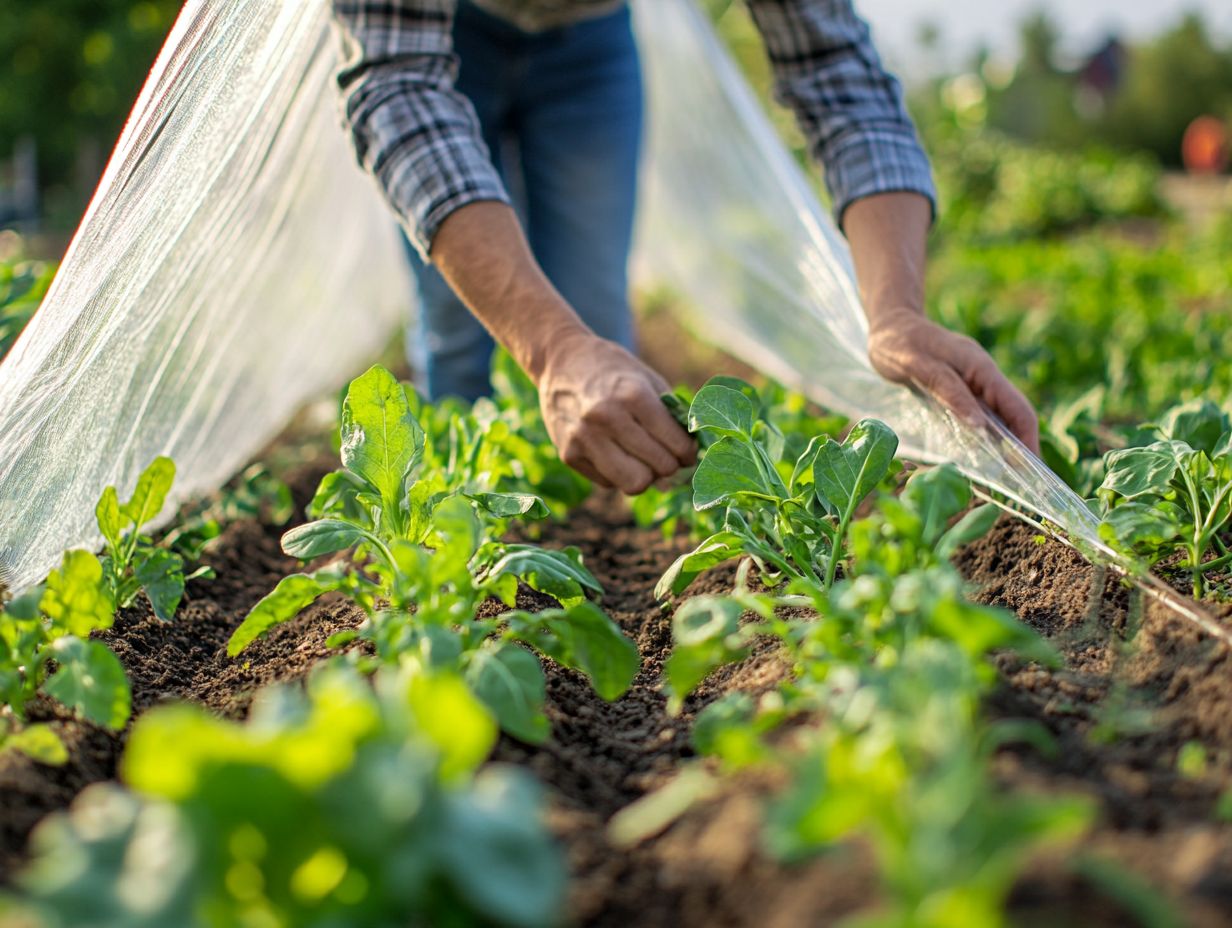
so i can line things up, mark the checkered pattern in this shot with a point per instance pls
(420, 138)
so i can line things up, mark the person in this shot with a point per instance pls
(451, 104)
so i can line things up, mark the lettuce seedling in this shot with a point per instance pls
(132, 562)
(791, 517)
(347, 804)
(428, 555)
(51, 625)
(1172, 493)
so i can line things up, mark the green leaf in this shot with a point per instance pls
(847, 473)
(161, 574)
(971, 527)
(1139, 528)
(705, 634)
(284, 602)
(454, 720)
(38, 742)
(509, 505)
(719, 547)
(937, 495)
(76, 599)
(336, 496)
(1138, 472)
(91, 681)
(107, 512)
(496, 854)
(583, 638)
(324, 536)
(722, 410)
(510, 682)
(1198, 423)
(381, 440)
(151, 492)
(559, 574)
(729, 468)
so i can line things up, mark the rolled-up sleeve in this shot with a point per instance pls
(849, 107)
(416, 134)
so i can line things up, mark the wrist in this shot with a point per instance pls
(893, 315)
(558, 335)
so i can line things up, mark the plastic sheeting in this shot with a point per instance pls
(223, 274)
(235, 262)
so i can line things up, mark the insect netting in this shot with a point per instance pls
(235, 262)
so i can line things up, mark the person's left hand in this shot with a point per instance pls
(908, 348)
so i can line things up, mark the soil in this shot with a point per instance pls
(708, 868)
(1135, 686)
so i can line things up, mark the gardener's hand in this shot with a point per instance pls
(908, 348)
(604, 414)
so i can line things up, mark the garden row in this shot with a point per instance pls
(357, 802)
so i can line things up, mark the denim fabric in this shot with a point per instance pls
(561, 114)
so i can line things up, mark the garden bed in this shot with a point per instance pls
(1155, 819)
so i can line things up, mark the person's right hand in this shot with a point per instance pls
(603, 411)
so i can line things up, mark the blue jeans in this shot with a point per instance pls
(561, 113)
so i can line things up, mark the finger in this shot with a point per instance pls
(622, 470)
(1006, 401)
(573, 455)
(945, 384)
(639, 443)
(650, 413)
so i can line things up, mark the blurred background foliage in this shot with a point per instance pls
(70, 72)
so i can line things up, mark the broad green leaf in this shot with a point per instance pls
(161, 574)
(454, 720)
(719, 547)
(336, 496)
(583, 638)
(283, 603)
(510, 682)
(26, 606)
(971, 527)
(802, 473)
(509, 505)
(722, 410)
(107, 512)
(937, 495)
(847, 473)
(559, 574)
(1198, 423)
(729, 468)
(151, 492)
(75, 598)
(497, 856)
(324, 536)
(381, 440)
(91, 681)
(705, 637)
(1139, 528)
(38, 742)
(1138, 472)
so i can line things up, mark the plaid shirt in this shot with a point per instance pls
(420, 138)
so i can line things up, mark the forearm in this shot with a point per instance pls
(482, 253)
(888, 233)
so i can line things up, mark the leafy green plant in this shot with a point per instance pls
(255, 494)
(22, 287)
(133, 563)
(344, 805)
(46, 647)
(427, 555)
(791, 516)
(1174, 493)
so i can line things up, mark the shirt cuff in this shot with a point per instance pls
(876, 161)
(429, 186)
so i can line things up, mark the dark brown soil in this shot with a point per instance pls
(708, 868)
(1138, 684)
